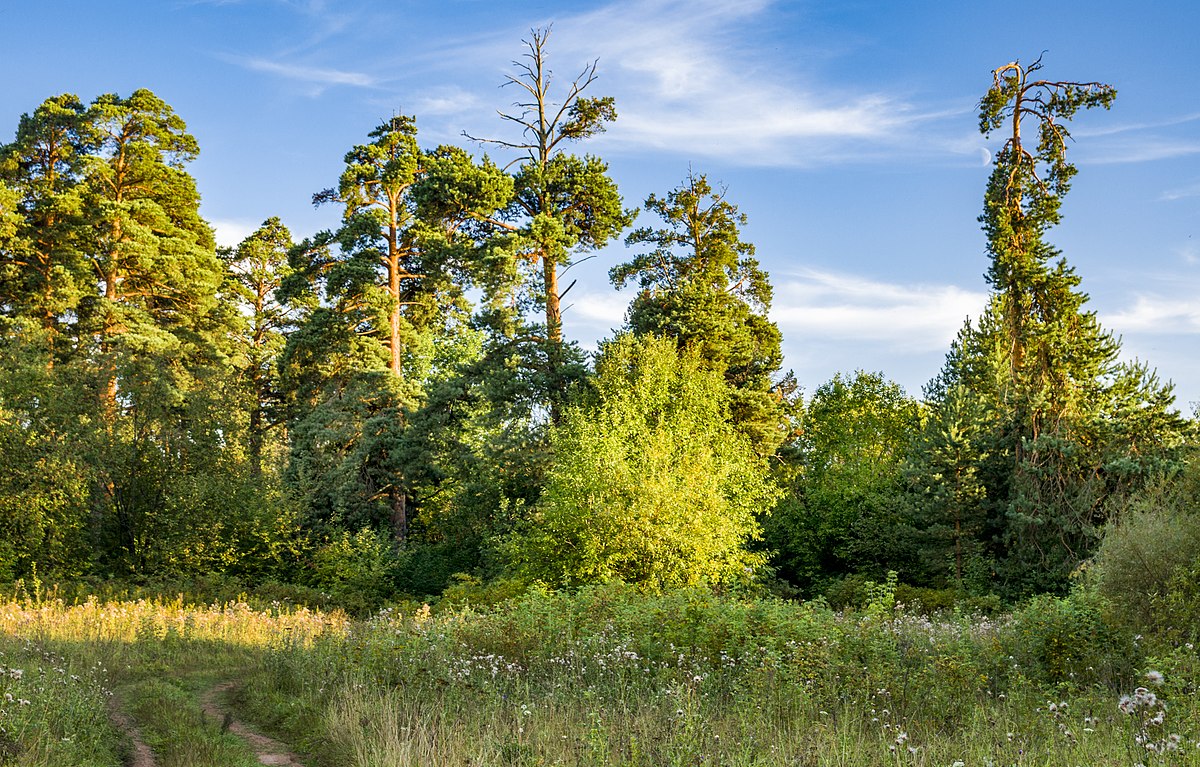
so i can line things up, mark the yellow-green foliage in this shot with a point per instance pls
(233, 623)
(650, 483)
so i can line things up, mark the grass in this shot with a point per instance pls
(52, 708)
(603, 677)
(608, 677)
(63, 663)
(181, 735)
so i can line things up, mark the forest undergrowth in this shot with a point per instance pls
(605, 676)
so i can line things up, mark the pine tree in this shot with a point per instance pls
(1045, 378)
(43, 269)
(563, 205)
(702, 287)
(380, 294)
(257, 268)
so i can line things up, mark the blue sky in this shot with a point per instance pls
(846, 131)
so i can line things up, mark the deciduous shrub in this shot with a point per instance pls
(1148, 565)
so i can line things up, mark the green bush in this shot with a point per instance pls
(358, 571)
(926, 601)
(1148, 565)
(650, 483)
(1066, 640)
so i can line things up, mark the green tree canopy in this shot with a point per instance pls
(257, 269)
(1051, 428)
(649, 483)
(701, 286)
(844, 479)
(381, 294)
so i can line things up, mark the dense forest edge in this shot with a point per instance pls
(386, 422)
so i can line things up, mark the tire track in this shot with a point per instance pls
(142, 755)
(268, 750)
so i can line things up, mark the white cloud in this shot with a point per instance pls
(451, 101)
(1157, 314)
(599, 308)
(229, 233)
(1133, 127)
(685, 83)
(845, 307)
(1140, 150)
(1181, 193)
(307, 74)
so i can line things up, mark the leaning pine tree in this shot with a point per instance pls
(1058, 425)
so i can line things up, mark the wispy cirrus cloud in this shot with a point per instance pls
(1136, 127)
(686, 81)
(1134, 150)
(1147, 141)
(843, 307)
(446, 101)
(306, 74)
(1157, 314)
(1181, 193)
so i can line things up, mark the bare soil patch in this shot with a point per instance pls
(268, 750)
(142, 755)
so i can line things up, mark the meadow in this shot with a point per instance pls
(606, 676)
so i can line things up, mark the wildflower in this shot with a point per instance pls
(1154, 677)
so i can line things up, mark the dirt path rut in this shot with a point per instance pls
(268, 751)
(141, 755)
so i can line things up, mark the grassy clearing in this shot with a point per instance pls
(52, 708)
(607, 677)
(62, 664)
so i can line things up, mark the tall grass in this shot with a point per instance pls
(611, 677)
(608, 676)
(52, 709)
(61, 664)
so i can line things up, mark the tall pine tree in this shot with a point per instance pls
(1053, 402)
(563, 205)
(702, 287)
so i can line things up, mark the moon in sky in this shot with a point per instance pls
(985, 156)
